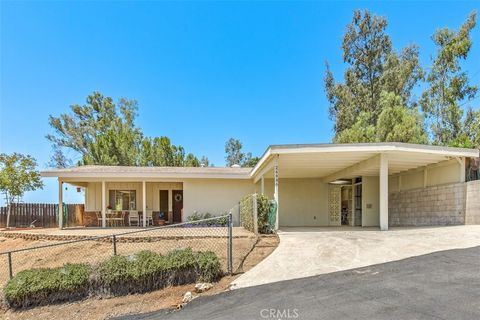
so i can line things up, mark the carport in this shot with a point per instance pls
(319, 171)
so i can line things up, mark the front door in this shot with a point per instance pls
(177, 207)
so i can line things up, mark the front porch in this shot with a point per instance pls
(113, 203)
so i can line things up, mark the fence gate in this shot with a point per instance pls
(334, 205)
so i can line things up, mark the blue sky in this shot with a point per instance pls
(202, 72)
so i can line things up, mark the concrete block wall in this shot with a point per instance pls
(472, 210)
(437, 205)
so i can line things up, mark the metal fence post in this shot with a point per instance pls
(114, 245)
(230, 244)
(10, 269)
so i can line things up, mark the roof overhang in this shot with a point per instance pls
(349, 160)
(114, 173)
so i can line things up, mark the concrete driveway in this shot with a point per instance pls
(305, 252)
(441, 285)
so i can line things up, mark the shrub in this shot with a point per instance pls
(263, 209)
(147, 271)
(195, 216)
(119, 275)
(47, 286)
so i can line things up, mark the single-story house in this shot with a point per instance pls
(364, 184)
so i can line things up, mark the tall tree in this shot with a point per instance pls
(235, 155)
(448, 84)
(18, 175)
(374, 69)
(104, 133)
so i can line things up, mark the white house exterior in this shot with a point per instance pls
(370, 184)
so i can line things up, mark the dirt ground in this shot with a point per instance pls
(96, 309)
(96, 251)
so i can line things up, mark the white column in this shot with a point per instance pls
(383, 192)
(462, 169)
(425, 177)
(144, 203)
(60, 204)
(353, 203)
(104, 205)
(262, 186)
(170, 206)
(275, 193)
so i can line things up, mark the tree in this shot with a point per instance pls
(374, 70)
(104, 133)
(18, 175)
(58, 159)
(235, 156)
(398, 123)
(449, 85)
(205, 162)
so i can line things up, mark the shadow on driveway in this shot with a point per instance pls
(441, 285)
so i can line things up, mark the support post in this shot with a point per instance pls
(353, 203)
(60, 204)
(425, 177)
(144, 203)
(255, 213)
(230, 244)
(170, 206)
(383, 192)
(104, 205)
(114, 241)
(462, 169)
(275, 194)
(10, 268)
(262, 185)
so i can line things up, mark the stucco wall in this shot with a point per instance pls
(436, 205)
(472, 210)
(303, 202)
(370, 201)
(214, 196)
(446, 172)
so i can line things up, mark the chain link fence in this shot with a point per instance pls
(216, 234)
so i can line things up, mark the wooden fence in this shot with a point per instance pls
(40, 214)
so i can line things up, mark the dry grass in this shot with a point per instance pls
(96, 309)
(94, 251)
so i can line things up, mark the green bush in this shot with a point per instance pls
(246, 213)
(47, 286)
(195, 216)
(147, 271)
(119, 275)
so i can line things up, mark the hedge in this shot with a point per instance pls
(119, 275)
(46, 286)
(148, 271)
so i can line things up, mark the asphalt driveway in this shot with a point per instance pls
(305, 252)
(441, 285)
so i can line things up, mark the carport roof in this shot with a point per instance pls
(349, 160)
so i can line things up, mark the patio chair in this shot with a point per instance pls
(133, 217)
(149, 217)
(99, 218)
(119, 217)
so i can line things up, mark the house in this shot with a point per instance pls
(365, 184)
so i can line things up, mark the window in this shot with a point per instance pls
(123, 199)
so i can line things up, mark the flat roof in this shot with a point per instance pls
(309, 157)
(91, 171)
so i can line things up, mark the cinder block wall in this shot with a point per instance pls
(472, 210)
(438, 205)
